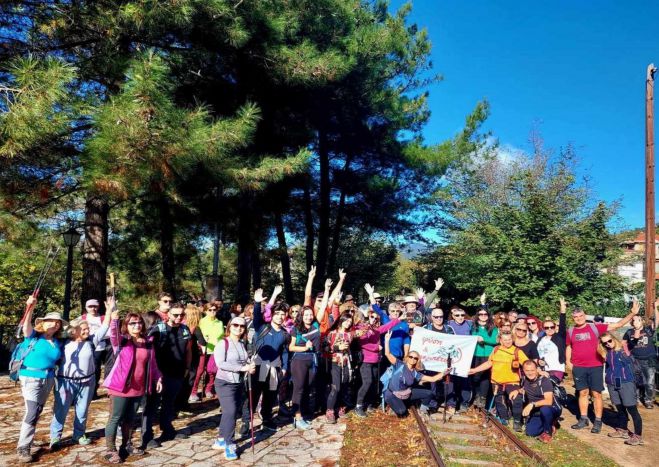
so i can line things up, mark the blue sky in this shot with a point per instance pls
(575, 68)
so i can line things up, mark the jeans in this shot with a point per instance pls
(369, 375)
(170, 390)
(399, 406)
(69, 393)
(35, 393)
(122, 413)
(648, 370)
(303, 374)
(230, 395)
(541, 420)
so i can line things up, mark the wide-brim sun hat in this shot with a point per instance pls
(53, 315)
(410, 299)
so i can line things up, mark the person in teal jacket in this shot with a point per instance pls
(487, 334)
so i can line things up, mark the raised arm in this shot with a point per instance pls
(370, 290)
(275, 294)
(432, 295)
(307, 290)
(387, 352)
(258, 315)
(339, 286)
(27, 319)
(99, 335)
(636, 306)
(323, 304)
(114, 329)
(562, 319)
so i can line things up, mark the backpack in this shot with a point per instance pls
(211, 367)
(388, 375)
(593, 327)
(18, 356)
(560, 394)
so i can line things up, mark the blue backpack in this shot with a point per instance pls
(18, 356)
(389, 373)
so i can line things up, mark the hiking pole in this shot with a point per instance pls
(446, 381)
(50, 258)
(251, 409)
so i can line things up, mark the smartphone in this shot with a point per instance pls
(618, 383)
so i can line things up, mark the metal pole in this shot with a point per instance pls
(67, 285)
(650, 226)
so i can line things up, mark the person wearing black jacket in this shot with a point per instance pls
(551, 347)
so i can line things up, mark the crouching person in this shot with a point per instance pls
(541, 409)
(401, 389)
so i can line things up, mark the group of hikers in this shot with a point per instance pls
(328, 356)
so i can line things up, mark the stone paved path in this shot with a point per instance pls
(319, 446)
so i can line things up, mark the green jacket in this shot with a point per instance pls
(485, 348)
(213, 331)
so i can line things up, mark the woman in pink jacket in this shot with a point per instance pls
(132, 375)
(369, 340)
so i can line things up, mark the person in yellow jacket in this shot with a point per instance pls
(213, 331)
(506, 361)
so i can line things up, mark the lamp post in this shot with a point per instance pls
(71, 238)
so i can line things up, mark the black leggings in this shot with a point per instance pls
(340, 383)
(369, 375)
(480, 382)
(636, 418)
(303, 374)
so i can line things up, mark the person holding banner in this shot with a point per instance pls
(505, 362)
(402, 388)
(487, 334)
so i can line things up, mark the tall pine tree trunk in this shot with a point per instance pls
(167, 246)
(95, 249)
(324, 209)
(308, 225)
(244, 261)
(256, 267)
(283, 256)
(338, 222)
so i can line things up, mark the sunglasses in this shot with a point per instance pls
(550, 327)
(135, 323)
(437, 316)
(238, 326)
(522, 329)
(92, 306)
(607, 342)
(413, 358)
(373, 317)
(531, 323)
(176, 315)
(482, 314)
(458, 315)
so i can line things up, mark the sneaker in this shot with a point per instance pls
(619, 433)
(301, 424)
(634, 440)
(582, 423)
(134, 450)
(180, 436)
(597, 426)
(219, 444)
(649, 405)
(504, 421)
(230, 452)
(517, 426)
(193, 399)
(54, 444)
(210, 395)
(342, 412)
(359, 411)
(424, 410)
(244, 430)
(83, 441)
(450, 412)
(269, 425)
(112, 457)
(371, 409)
(330, 417)
(24, 455)
(545, 438)
(153, 444)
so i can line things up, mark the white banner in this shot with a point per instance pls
(435, 348)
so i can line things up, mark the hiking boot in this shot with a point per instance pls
(450, 412)
(342, 412)
(54, 444)
(545, 438)
(479, 402)
(134, 451)
(301, 424)
(649, 405)
(359, 411)
(517, 426)
(619, 433)
(582, 423)
(83, 441)
(24, 455)
(244, 430)
(230, 452)
(371, 409)
(112, 457)
(330, 417)
(634, 440)
(219, 444)
(597, 426)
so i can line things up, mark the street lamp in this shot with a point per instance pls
(71, 238)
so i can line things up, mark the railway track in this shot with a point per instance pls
(475, 438)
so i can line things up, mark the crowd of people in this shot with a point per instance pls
(326, 357)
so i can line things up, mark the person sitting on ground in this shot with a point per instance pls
(505, 361)
(403, 386)
(132, 376)
(639, 342)
(541, 411)
(551, 346)
(232, 366)
(586, 363)
(619, 380)
(76, 378)
(37, 372)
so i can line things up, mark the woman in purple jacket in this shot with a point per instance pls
(369, 341)
(131, 377)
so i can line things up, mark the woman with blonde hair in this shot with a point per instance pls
(619, 379)
(192, 319)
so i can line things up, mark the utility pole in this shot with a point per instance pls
(650, 229)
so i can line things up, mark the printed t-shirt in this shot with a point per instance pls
(584, 345)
